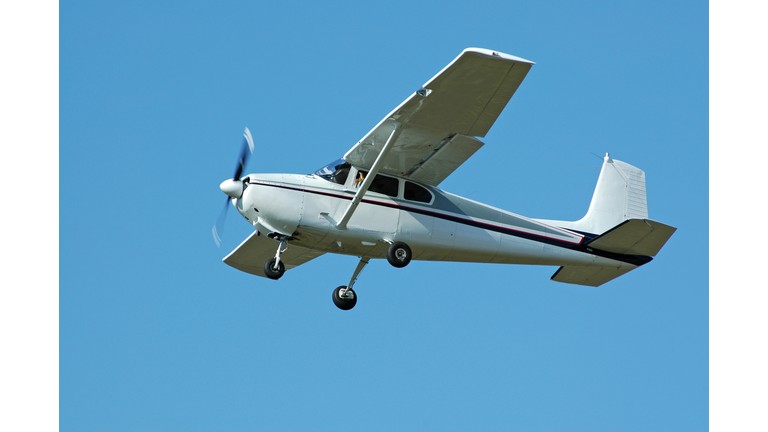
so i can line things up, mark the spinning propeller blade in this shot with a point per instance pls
(218, 227)
(247, 145)
(220, 223)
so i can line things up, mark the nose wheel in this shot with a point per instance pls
(274, 268)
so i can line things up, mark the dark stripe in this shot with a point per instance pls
(637, 260)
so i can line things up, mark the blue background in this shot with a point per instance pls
(156, 333)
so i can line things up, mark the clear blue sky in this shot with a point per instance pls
(156, 333)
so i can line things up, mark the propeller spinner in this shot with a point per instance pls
(234, 187)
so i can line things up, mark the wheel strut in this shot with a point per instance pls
(360, 266)
(280, 250)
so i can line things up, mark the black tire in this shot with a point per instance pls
(344, 303)
(399, 254)
(271, 271)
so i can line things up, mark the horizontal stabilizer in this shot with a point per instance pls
(631, 237)
(589, 276)
(256, 250)
(634, 237)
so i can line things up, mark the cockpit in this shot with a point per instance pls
(338, 172)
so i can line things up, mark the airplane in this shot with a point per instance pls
(381, 200)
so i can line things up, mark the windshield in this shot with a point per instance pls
(336, 171)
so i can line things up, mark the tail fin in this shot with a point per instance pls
(619, 195)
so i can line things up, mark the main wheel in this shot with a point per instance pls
(399, 254)
(272, 271)
(347, 302)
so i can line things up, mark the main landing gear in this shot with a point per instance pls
(399, 254)
(345, 298)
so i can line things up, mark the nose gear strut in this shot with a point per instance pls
(274, 268)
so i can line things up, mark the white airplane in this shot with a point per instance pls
(381, 200)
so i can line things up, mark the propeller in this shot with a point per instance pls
(233, 188)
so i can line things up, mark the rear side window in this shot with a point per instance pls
(414, 192)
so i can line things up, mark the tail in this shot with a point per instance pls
(618, 215)
(619, 195)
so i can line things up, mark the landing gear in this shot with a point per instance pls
(274, 268)
(344, 297)
(399, 254)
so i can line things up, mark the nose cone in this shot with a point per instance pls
(233, 188)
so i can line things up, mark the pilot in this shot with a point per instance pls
(360, 178)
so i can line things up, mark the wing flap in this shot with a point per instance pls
(256, 250)
(436, 166)
(634, 237)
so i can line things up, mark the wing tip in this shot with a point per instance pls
(492, 53)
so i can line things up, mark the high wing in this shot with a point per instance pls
(257, 249)
(438, 124)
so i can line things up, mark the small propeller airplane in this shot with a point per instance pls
(381, 199)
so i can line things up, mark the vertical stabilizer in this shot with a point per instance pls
(619, 195)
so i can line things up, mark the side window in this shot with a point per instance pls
(336, 172)
(414, 192)
(381, 184)
(340, 174)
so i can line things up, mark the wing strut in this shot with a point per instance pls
(342, 225)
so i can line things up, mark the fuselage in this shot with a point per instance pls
(437, 225)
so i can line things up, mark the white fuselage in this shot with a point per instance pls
(446, 228)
